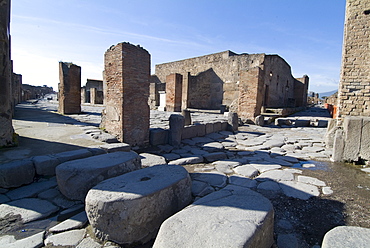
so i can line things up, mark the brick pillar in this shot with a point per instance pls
(174, 92)
(69, 88)
(127, 73)
(354, 86)
(185, 91)
(250, 93)
(83, 94)
(93, 95)
(6, 96)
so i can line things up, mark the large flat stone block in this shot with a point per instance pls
(352, 127)
(232, 217)
(130, 208)
(76, 177)
(365, 139)
(347, 236)
(16, 173)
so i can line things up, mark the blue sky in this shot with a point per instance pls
(308, 34)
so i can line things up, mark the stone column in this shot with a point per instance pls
(127, 73)
(83, 94)
(69, 88)
(93, 95)
(173, 92)
(185, 91)
(6, 128)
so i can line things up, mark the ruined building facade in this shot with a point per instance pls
(6, 96)
(351, 132)
(92, 92)
(354, 88)
(243, 83)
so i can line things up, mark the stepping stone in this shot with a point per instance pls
(215, 179)
(16, 173)
(76, 177)
(347, 236)
(29, 209)
(299, 190)
(36, 240)
(73, 155)
(116, 147)
(246, 170)
(69, 238)
(242, 181)
(31, 190)
(211, 157)
(187, 160)
(311, 180)
(276, 175)
(130, 208)
(75, 222)
(232, 217)
(148, 160)
(266, 167)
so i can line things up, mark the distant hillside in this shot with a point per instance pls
(329, 93)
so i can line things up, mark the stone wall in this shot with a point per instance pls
(86, 92)
(6, 99)
(212, 81)
(127, 73)
(69, 93)
(354, 88)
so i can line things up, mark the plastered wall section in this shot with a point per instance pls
(354, 88)
(127, 72)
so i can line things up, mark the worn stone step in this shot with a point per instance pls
(232, 217)
(75, 178)
(130, 208)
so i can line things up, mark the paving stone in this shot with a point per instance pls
(45, 165)
(274, 143)
(69, 238)
(311, 180)
(197, 187)
(148, 160)
(212, 147)
(75, 178)
(232, 217)
(106, 137)
(247, 171)
(299, 190)
(36, 240)
(279, 161)
(269, 186)
(171, 156)
(242, 181)
(143, 199)
(116, 147)
(215, 179)
(266, 167)
(89, 243)
(75, 222)
(31, 190)
(30, 209)
(16, 173)
(287, 241)
(251, 143)
(166, 148)
(229, 163)
(215, 136)
(276, 175)
(347, 236)
(187, 160)
(197, 151)
(214, 156)
(199, 140)
(49, 194)
(294, 171)
(4, 198)
(327, 191)
(246, 153)
(73, 155)
(188, 142)
(313, 149)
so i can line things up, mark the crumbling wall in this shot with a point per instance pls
(354, 87)
(6, 98)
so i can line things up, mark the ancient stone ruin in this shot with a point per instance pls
(244, 83)
(92, 92)
(350, 133)
(127, 72)
(69, 93)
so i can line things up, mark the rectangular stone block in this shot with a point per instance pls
(158, 136)
(365, 139)
(209, 128)
(189, 132)
(352, 127)
(201, 130)
(16, 173)
(173, 92)
(217, 127)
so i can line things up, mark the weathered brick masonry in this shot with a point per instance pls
(69, 88)
(127, 73)
(173, 92)
(213, 81)
(354, 88)
(6, 96)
